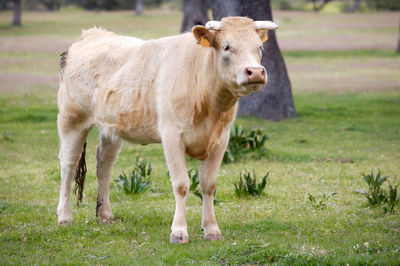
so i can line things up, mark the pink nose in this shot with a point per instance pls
(255, 74)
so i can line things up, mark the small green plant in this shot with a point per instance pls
(392, 201)
(242, 142)
(322, 203)
(194, 183)
(194, 179)
(377, 195)
(247, 185)
(138, 180)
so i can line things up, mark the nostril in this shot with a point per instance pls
(263, 72)
(248, 72)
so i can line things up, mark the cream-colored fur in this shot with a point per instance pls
(170, 90)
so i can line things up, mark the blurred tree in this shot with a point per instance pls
(17, 13)
(274, 101)
(384, 4)
(3, 4)
(354, 6)
(398, 41)
(322, 3)
(139, 7)
(194, 13)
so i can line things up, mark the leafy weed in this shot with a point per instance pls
(138, 180)
(377, 195)
(242, 142)
(322, 203)
(247, 185)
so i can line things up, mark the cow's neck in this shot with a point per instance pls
(221, 98)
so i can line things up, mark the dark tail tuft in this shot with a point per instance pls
(63, 62)
(80, 176)
(98, 205)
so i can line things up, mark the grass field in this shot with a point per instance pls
(348, 103)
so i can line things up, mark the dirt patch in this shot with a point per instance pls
(24, 82)
(341, 84)
(33, 44)
(343, 42)
(313, 31)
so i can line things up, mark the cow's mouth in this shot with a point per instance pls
(247, 88)
(253, 86)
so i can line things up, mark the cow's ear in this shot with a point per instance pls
(203, 36)
(263, 35)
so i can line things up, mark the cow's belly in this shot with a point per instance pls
(132, 131)
(129, 114)
(201, 141)
(137, 125)
(200, 151)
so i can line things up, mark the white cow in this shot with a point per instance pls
(181, 91)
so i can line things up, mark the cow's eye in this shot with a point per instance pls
(260, 50)
(227, 48)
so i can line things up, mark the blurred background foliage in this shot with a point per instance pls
(305, 5)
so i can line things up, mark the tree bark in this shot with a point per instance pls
(139, 7)
(318, 8)
(315, 5)
(17, 13)
(194, 13)
(354, 7)
(274, 101)
(398, 41)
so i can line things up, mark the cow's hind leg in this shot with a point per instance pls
(208, 176)
(107, 153)
(71, 151)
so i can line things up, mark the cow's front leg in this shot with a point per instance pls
(208, 176)
(174, 151)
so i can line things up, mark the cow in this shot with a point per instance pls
(182, 91)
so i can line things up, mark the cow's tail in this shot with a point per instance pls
(80, 176)
(63, 63)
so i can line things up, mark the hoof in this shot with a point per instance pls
(178, 238)
(64, 214)
(211, 237)
(65, 220)
(106, 218)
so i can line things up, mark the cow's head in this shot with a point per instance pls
(238, 42)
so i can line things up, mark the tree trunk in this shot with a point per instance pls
(51, 5)
(17, 13)
(315, 5)
(194, 13)
(398, 42)
(139, 7)
(354, 7)
(318, 8)
(274, 101)
(3, 5)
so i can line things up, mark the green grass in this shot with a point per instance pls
(339, 136)
(278, 228)
(68, 24)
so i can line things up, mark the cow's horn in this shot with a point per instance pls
(213, 25)
(265, 25)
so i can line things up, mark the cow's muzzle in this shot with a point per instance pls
(255, 75)
(252, 78)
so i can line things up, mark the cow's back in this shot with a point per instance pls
(107, 75)
(93, 61)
